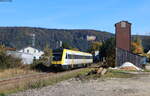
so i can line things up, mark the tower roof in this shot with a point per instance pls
(123, 21)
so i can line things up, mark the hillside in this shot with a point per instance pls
(19, 37)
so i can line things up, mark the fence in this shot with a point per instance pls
(123, 56)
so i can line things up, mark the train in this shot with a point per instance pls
(67, 59)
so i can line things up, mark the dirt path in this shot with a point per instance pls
(136, 86)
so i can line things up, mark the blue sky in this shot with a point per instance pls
(77, 14)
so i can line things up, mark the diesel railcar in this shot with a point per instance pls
(67, 59)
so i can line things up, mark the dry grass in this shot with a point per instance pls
(118, 74)
(38, 83)
(9, 73)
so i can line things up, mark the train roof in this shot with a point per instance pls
(78, 51)
(61, 49)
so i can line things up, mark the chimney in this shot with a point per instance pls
(123, 35)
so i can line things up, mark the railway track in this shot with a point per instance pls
(24, 77)
(37, 76)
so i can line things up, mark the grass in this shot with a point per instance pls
(110, 74)
(118, 74)
(146, 70)
(9, 73)
(32, 84)
(2, 94)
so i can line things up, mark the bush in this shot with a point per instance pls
(35, 64)
(7, 61)
(40, 67)
(44, 62)
(2, 94)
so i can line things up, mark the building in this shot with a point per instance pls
(27, 54)
(123, 46)
(91, 37)
(123, 35)
(25, 58)
(33, 51)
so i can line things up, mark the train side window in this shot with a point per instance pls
(72, 56)
(76, 57)
(69, 56)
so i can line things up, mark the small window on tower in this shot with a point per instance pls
(123, 24)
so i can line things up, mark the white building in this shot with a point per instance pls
(27, 54)
(91, 38)
(26, 58)
(33, 51)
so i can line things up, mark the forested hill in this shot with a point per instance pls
(20, 37)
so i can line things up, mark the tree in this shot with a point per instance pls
(75, 49)
(45, 61)
(107, 51)
(137, 47)
(66, 45)
(47, 51)
(94, 46)
(48, 55)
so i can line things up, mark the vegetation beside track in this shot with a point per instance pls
(109, 74)
(45, 81)
(118, 74)
(10, 73)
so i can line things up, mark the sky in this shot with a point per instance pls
(77, 14)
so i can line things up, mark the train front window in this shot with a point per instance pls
(57, 56)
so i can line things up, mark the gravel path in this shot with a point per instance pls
(137, 86)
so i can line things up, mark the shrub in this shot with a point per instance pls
(45, 60)
(2, 94)
(7, 61)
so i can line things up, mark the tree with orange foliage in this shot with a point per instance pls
(137, 47)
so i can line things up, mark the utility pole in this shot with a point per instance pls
(33, 40)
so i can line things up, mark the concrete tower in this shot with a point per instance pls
(123, 35)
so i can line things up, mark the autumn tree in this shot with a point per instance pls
(48, 55)
(137, 47)
(47, 51)
(94, 46)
